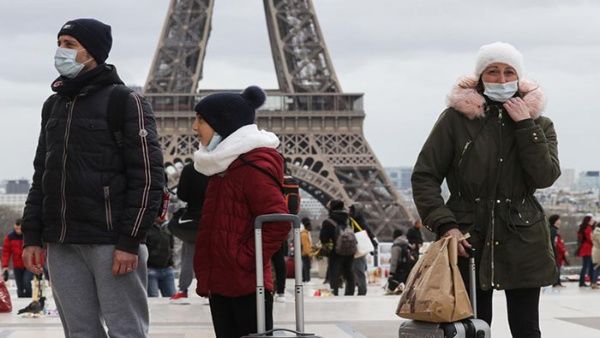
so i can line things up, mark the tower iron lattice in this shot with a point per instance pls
(320, 126)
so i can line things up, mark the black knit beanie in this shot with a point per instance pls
(228, 112)
(94, 35)
(336, 205)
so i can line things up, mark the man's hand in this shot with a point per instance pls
(5, 274)
(124, 262)
(463, 245)
(517, 109)
(33, 258)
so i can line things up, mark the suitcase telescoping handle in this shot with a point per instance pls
(473, 282)
(260, 283)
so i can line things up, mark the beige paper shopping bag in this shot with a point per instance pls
(435, 291)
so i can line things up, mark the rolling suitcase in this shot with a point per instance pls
(260, 287)
(467, 328)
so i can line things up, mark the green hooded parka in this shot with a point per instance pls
(492, 166)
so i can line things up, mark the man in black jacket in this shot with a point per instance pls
(339, 265)
(92, 197)
(161, 278)
(190, 189)
(414, 236)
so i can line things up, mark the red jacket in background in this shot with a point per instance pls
(224, 260)
(13, 246)
(561, 251)
(586, 242)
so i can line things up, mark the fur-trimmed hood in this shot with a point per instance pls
(465, 98)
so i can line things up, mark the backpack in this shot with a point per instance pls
(345, 243)
(289, 188)
(406, 254)
(159, 242)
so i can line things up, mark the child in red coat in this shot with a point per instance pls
(237, 193)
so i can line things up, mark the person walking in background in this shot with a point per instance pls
(237, 193)
(326, 237)
(161, 279)
(97, 187)
(401, 262)
(190, 189)
(160, 260)
(359, 265)
(596, 255)
(558, 246)
(306, 242)
(280, 268)
(584, 250)
(415, 237)
(13, 250)
(340, 263)
(494, 149)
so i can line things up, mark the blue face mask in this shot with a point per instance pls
(66, 63)
(214, 142)
(500, 92)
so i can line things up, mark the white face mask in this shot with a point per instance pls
(214, 142)
(66, 63)
(500, 92)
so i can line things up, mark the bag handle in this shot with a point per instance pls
(355, 224)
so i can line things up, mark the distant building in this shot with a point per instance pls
(400, 177)
(14, 201)
(311, 206)
(17, 187)
(566, 179)
(589, 180)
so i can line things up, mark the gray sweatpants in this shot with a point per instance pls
(87, 294)
(186, 275)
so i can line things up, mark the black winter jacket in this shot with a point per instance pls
(85, 189)
(191, 189)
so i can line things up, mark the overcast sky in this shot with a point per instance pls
(404, 55)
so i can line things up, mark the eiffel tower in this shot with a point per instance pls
(320, 126)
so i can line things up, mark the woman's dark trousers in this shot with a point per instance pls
(522, 306)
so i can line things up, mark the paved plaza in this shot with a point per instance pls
(567, 312)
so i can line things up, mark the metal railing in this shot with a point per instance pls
(183, 104)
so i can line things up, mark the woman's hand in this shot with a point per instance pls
(463, 245)
(517, 109)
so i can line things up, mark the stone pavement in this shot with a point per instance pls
(567, 312)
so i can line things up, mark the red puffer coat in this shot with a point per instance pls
(224, 261)
(13, 246)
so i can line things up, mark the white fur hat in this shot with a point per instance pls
(499, 52)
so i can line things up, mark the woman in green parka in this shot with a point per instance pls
(494, 148)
